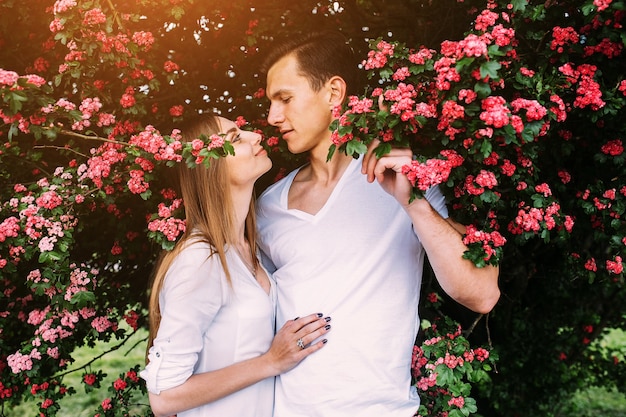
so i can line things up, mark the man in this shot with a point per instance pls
(345, 240)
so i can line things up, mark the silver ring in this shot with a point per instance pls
(300, 343)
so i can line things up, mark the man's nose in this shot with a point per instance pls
(275, 115)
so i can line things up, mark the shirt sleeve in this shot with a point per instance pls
(437, 200)
(192, 294)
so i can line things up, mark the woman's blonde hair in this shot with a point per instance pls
(209, 215)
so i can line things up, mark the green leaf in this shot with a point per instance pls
(482, 89)
(146, 194)
(355, 147)
(83, 298)
(490, 69)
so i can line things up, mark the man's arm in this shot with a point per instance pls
(475, 288)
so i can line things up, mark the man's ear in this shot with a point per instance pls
(337, 88)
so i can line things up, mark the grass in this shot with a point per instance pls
(594, 402)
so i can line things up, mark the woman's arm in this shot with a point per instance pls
(283, 355)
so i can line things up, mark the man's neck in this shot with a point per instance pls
(323, 171)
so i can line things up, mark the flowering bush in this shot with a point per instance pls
(518, 122)
(476, 118)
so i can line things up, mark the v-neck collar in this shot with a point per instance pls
(284, 197)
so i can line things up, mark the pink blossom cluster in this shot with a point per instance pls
(378, 58)
(487, 240)
(457, 402)
(424, 175)
(615, 266)
(19, 362)
(117, 43)
(166, 223)
(606, 47)
(61, 6)
(534, 219)
(359, 106)
(151, 141)
(81, 279)
(562, 37)
(403, 98)
(495, 112)
(589, 93)
(145, 39)
(94, 17)
(602, 4)
(98, 167)
(613, 147)
(476, 185)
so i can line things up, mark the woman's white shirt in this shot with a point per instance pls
(207, 324)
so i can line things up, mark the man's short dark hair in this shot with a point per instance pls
(320, 56)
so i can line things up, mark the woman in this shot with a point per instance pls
(212, 306)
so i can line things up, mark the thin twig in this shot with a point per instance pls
(115, 15)
(113, 349)
(61, 148)
(473, 326)
(87, 137)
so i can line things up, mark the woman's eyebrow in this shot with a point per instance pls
(231, 130)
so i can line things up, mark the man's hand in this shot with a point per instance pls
(388, 171)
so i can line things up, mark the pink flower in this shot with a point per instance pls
(602, 4)
(590, 265)
(485, 20)
(119, 384)
(495, 112)
(170, 66)
(106, 404)
(136, 184)
(61, 6)
(132, 375)
(457, 402)
(543, 189)
(145, 39)
(94, 17)
(176, 111)
(401, 74)
(615, 267)
(486, 179)
(18, 362)
(613, 147)
(240, 121)
(101, 324)
(49, 200)
(215, 141)
(8, 77)
(89, 379)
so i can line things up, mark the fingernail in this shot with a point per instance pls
(296, 318)
(327, 326)
(320, 315)
(327, 319)
(325, 341)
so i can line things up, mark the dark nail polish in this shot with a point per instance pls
(320, 315)
(296, 318)
(327, 326)
(327, 319)
(325, 341)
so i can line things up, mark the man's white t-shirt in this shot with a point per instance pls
(207, 324)
(358, 261)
